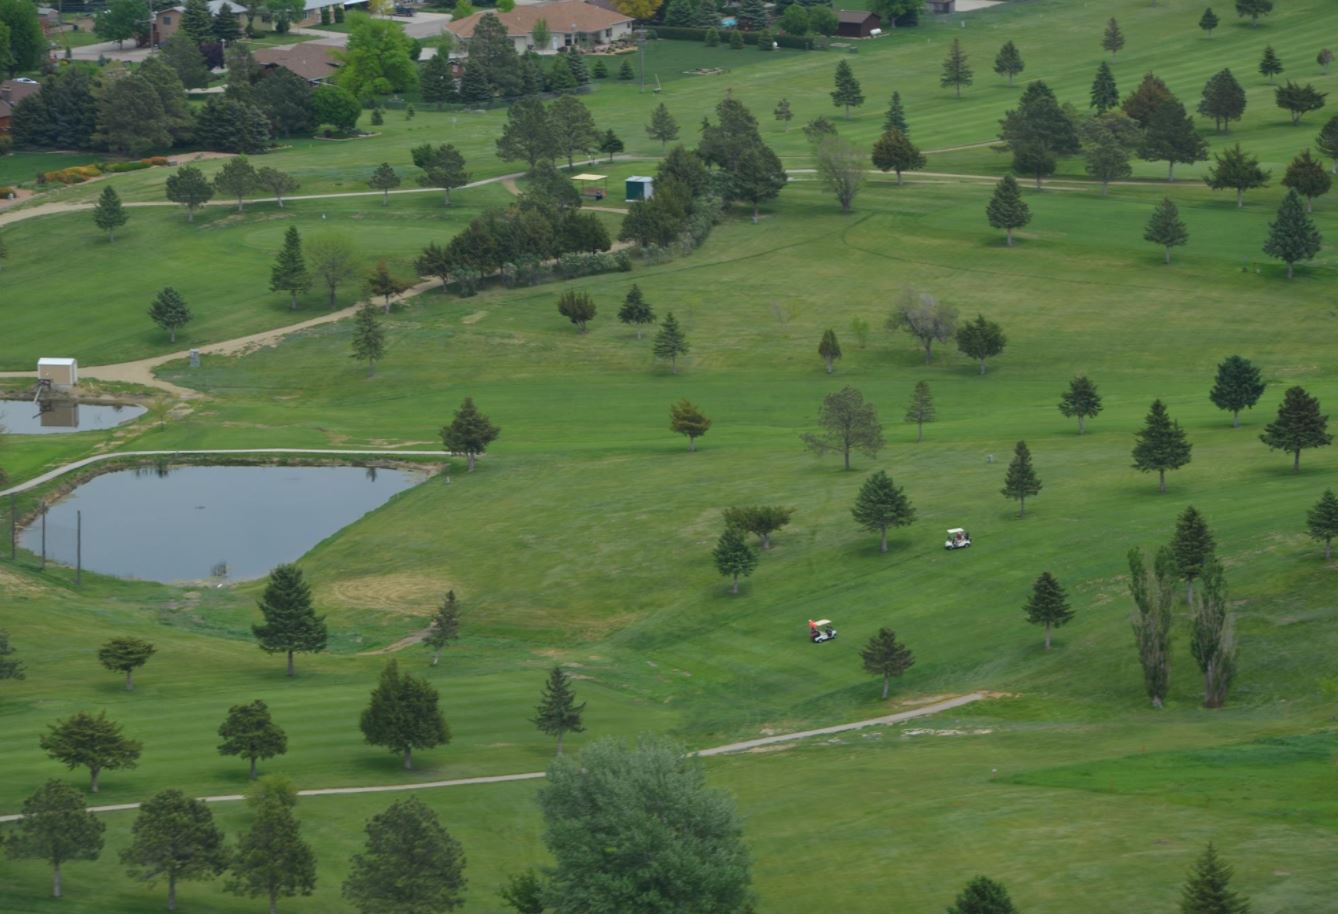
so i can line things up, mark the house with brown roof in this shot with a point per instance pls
(315, 63)
(570, 22)
(856, 23)
(13, 91)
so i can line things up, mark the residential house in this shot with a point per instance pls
(13, 91)
(167, 22)
(856, 23)
(315, 63)
(942, 6)
(570, 22)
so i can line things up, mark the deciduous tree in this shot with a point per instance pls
(402, 715)
(1299, 425)
(10, 668)
(174, 838)
(381, 282)
(125, 655)
(894, 151)
(236, 178)
(1081, 400)
(1297, 100)
(1238, 386)
(925, 318)
(829, 349)
(921, 409)
(577, 307)
(1144, 101)
(1306, 176)
(169, 311)
(980, 340)
(841, 169)
(376, 59)
(276, 182)
(190, 188)
(411, 864)
(469, 433)
(783, 113)
(887, 657)
(56, 828)
(95, 743)
(686, 419)
(1254, 9)
(670, 342)
(881, 504)
(1172, 137)
(734, 558)
(761, 520)
(334, 260)
(384, 179)
(847, 423)
(1153, 592)
(1213, 635)
(1021, 480)
(1048, 605)
(558, 713)
(1006, 209)
(109, 214)
(249, 732)
(271, 860)
(291, 624)
(1292, 236)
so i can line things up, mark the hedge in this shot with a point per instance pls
(683, 33)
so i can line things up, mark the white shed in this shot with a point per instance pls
(61, 373)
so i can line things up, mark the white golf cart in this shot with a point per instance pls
(957, 539)
(821, 631)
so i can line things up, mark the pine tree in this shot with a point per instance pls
(829, 349)
(894, 151)
(249, 732)
(174, 838)
(1223, 100)
(189, 187)
(474, 88)
(197, 21)
(1208, 21)
(686, 419)
(369, 338)
(1160, 445)
(881, 504)
(1165, 228)
(271, 859)
(1171, 137)
(1192, 547)
(848, 423)
(735, 40)
(1006, 209)
(125, 655)
(109, 214)
(558, 713)
(1254, 9)
(1206, 890)
(662, 126)
(1292, 237)
(847, 93)
(1306, 176)
(670, 342)
(1105, 95)
(169, 311)
(1021, 480)
(236, 178)
(611, 144)
(1081, 400)
(291, 624)
(576, 63)
(10, 668)
(921, 409)
(289, 273)
(1270, 64)
(783, 113)
(983, 895)
(384, 179)
(1322, 521)
(625, 72)
(469, 433)
(1297, 100)
(980, 340)
(1153, 593)
(381, 282)
(956, 70)
(1009, 61)
(411, 864)
(1299, 425)
(601, 71)
(754, 12)
(1048, 605)
(444, 627)
(635, 311)
(402, 715)
(435, 83)
(734, 558)
(896, 116)
(56, 828)
(1112, 39)
(1238, 386)
(885, 656)
(1327, 142)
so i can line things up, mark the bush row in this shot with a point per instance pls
(683, 33)
(77, 174)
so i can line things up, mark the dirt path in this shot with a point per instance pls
(743, 746)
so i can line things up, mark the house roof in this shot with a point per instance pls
(308, 60)
(12, 92)
(855, 16)
(562, 17)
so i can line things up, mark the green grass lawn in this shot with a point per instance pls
(584, 536)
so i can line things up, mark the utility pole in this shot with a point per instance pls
(44, 537)
(13, 526)
(78, 548)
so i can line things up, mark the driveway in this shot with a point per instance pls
(423, 25)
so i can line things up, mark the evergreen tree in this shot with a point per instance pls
(1327, 142)
(885, 656)
(754, 13)
(469, 433)
(559, 77)
(896, 116)
(411, 864)
(847, 93)
(734, 558)
(783, 113)
(1213, 636)
(956, 70)
(443, 166)
(921, 409)
(182, 54)
(190, 188)
(1160, 445)
(174, 838)
(474, 88)
(272, 860)
(1208, 21)
(381, 282)
(1207, 889)
(1048, 606)
(236, 178)
(1105, 95)
(527, 134)
(1324, 58)
(848, 423)
(1254, 9)
(1165, 228)
(1270, 64)
(56, 828)
(1008, 62)
(670, 342)
(197, 21)
(291, 624)
(435, 83)
(1292, 237)
(558, 713)
(369, 338)
(249, 732)
(444, 627)
(1306, 176)
(1297, 100)
(625, 72)
(1238, 386)
(1322, 521)
(1238, 170)
(95, 743)
(829, 349)
(1153, 593)
(611, 144)
(881, 504)
(600, 71)
(686, 419)
(1006, 209)
(169, 311)
(289, 273)
(1107, 141)
(125, 655)
(1081, 400)
(1171, 137)
(402, 715)
(1299, 425)
(635, 311)
(1112, 39)
(109, 214)
(983, 895)
(1021, 480)
(573, 127)
(1223, 100)
(980, 340)
(757, 176)
(224, 26)
(9, 667)
(894, 151)
(1192, 547)
(384, 179)
(576, 63)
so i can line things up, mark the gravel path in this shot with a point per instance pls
(743, 746)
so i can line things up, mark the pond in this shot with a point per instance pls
(189, 523)
(21, 417)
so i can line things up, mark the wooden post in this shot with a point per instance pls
(78, 548)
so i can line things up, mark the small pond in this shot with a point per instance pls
(184, 523)
(21, 417)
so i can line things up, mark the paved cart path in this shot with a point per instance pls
(742, 746)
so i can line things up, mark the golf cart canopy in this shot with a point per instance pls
(955, 530)
(823, 622)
